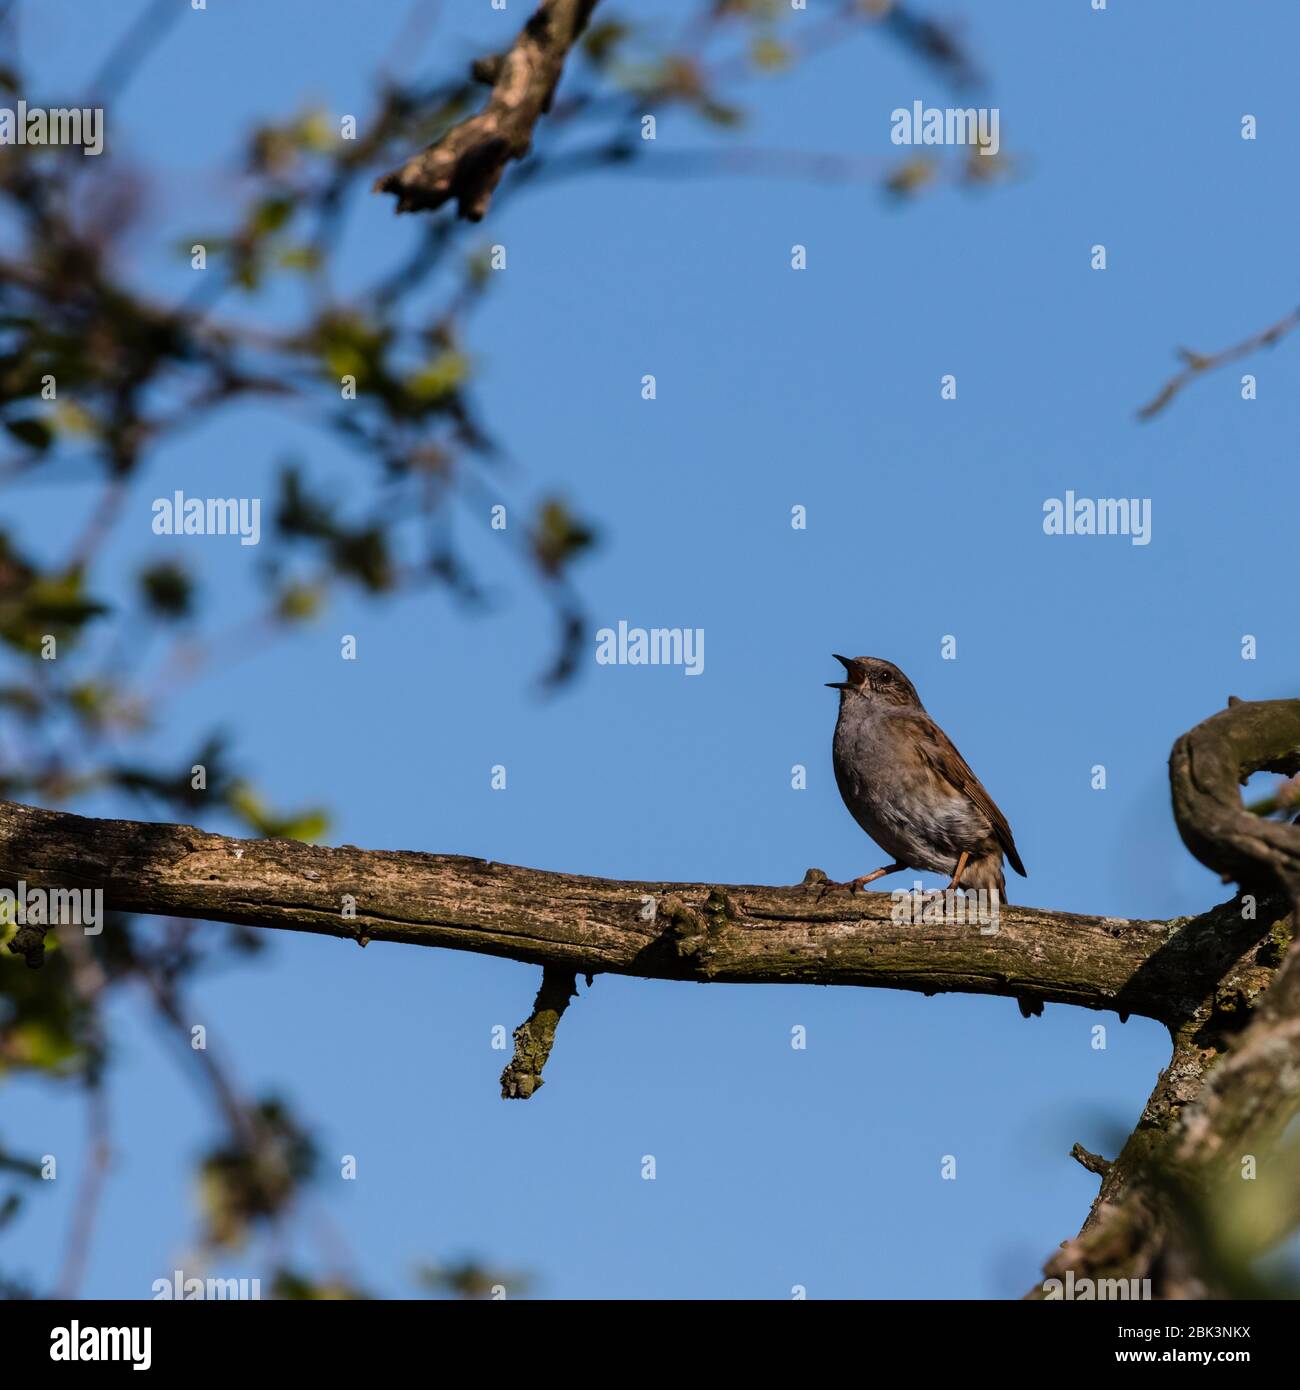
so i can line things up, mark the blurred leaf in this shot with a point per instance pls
(168, 591)
(305, 258)
(288, 1284)
(37, 606)
(440, 377)
(270, 215)
(72, 418)
(769, 54)
(557, 537)
(910, 177)
(603, 39)
(298, 602)
(249, 807)
(241, 1184)
(469, 1279)
(36, 434)
(719, 113)
(298, 513)
(351, 345)
(363, 555)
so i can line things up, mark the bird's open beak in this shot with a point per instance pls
(839, 685)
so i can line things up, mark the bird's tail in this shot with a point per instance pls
(986, 873)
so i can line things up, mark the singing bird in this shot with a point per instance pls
(909, 788)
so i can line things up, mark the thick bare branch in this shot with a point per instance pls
(1232, 1088)
(1206, 768)
(467, 162)
(676, 931)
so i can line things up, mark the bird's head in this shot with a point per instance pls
(877, 681)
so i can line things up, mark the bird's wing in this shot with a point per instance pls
(937, 749)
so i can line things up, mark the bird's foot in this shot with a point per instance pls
(854, 885)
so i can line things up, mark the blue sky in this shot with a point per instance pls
(775, 388)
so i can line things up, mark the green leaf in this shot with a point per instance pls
(271, 214)
(440, 377)
(304, 258)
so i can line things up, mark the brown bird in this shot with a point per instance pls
(909, 788)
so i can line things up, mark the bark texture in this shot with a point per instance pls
(734, 933)
(467, 163)
(536, 1034)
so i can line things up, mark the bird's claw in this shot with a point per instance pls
(854, 886)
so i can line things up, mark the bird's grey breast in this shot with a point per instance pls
(896, 796)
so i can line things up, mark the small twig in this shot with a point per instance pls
(89, 983)
(536, 1035)
(1196, 363)
(29, 942)
(1094, 1163)
(88, 1198)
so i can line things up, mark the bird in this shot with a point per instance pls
(909, 788)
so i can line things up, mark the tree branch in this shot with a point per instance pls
(653, 930)
(1197, 362)
(1232, 1087)
(1175, 1207)
(536, 1035)
(1094, 1163)
(467, 162)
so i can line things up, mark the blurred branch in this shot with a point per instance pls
(467, 162)
(1197, 363)
(98, 1157)
(125, 57)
